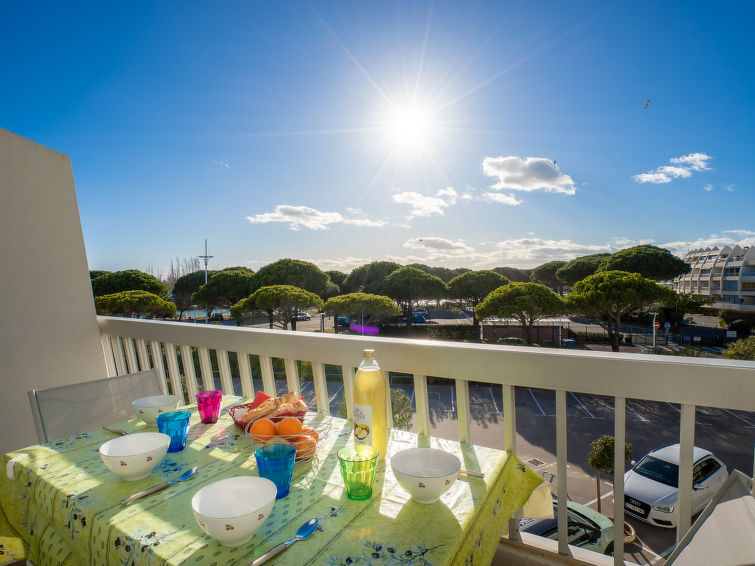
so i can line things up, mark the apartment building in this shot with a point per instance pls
(727, 275)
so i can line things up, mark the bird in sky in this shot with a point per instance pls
(646, 105)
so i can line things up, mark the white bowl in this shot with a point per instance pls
(426, 473)
(147, 408)
(135, 455)
(231, 510)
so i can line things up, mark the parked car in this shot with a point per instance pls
(587, 529)
(303, 316)
(418, 319)
(419, 312)
(342, 321)
(651, 487)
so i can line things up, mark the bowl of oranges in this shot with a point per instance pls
(289, 430)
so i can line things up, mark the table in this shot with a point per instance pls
(65, 503)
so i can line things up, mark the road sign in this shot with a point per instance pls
(657, 324)
(667, 325)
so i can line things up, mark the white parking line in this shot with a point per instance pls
(749, 424)
(636, 414)
(584, 408)
(411, 400)
(493, 398)
(334, 395)
(303, 387)
(538, 404)
(679, 411)
(453, 403)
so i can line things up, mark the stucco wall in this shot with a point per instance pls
(48, 328)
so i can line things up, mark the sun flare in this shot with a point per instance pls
(408, 127)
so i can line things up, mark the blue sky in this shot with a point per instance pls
(474, 134)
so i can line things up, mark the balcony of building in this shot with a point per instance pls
(51, 336)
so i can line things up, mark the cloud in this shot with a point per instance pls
(746, 238)
(423, 205)
(708, 187)
(509, 199)
(303, 216)
(433, 243)
(222, 164)
(684, 167)
(694, 161)
(528, 174)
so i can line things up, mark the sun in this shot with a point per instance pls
(408, 127)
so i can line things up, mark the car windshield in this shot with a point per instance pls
(659, 470)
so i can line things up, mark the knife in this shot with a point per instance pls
(155, 488)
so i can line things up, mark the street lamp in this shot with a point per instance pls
(654, 315)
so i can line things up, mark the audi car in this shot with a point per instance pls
(651, 487)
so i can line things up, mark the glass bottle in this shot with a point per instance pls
(370, 412)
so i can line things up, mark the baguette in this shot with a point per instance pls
(262, 410)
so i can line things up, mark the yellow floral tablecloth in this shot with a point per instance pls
(65, 504)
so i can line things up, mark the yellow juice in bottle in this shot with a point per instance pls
(370, 412)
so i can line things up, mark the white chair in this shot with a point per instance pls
(68, 409)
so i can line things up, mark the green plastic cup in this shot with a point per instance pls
(358, 464)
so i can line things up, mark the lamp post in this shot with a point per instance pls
(206, 259)
(654, 315)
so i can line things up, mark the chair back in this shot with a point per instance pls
(68, 409)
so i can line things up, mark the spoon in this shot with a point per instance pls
(155, 488)
(304, 531)
(115, 430)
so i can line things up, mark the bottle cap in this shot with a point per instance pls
(368, 353)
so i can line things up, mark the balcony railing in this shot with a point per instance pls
(170, 347)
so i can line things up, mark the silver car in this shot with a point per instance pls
(651, 487)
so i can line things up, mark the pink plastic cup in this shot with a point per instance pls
(209, 405)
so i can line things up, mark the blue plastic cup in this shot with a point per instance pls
(175, 424)
(276, 463)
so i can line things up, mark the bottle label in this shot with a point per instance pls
(363, 424)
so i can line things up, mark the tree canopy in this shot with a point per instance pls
(361, 303)
(546, 274)
(369, 277)
(134, 303)
(472, 287)
(514, 274)
(224, 288)
(527, 302)
(279, 301)
(580, 267)
(337, 277)
(443, 273)
(408, 285)
(600, 458)
(95, 273)
(743, 349)
(651, 262)
(128, 280)
(185, 286)
(609, 295)
(297, 273)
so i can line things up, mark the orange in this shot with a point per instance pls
(306, 446)
(262, 430)
(290, 426)
(309, 431)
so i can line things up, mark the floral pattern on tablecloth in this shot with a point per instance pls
(66, 505)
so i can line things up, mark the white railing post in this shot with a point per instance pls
(422, 404)
(120, 362)
(619, 463)
(245, 370)
(205, 368)
(268, 377)
(189, 373)
(561, 471)
(292, 375)
(107, 352)
(348, 389)
(509, 418)
(157, 363)
(133, 366)
(686, 446)
(141, 350)
(462, 410)
(321, 388)
(175, 375)
(226, 384)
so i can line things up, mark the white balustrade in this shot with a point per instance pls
(690, 382)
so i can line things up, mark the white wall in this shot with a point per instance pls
(48, 328)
